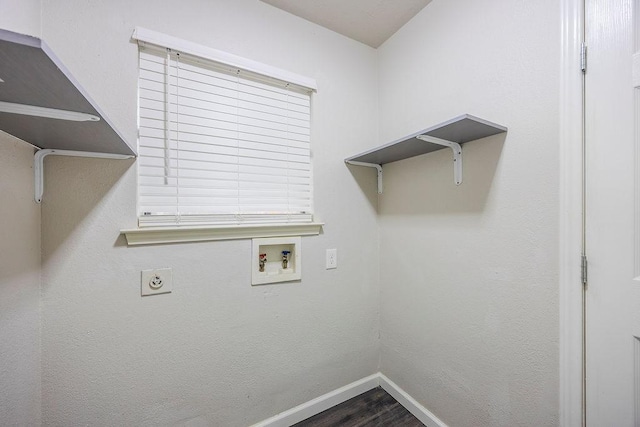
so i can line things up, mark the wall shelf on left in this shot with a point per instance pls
(42, 104)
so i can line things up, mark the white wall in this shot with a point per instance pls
(19, 286)
(216, 351)
(464, 283)
(20, 16)
(20, 349)
(469, 274)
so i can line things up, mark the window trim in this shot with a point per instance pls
(143, 35)
(163, 235)
(149, 235)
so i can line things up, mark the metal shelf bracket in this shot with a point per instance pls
(370, 165)
(457, 154)
(38, 164)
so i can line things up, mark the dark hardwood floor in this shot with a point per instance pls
(375, 407)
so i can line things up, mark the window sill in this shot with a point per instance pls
(162, 235)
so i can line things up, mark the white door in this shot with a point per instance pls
(613, 214)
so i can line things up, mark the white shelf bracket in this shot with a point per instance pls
(457, 154)
(38, 164)
(370, 165)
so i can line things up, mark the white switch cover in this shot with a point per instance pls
(332, 258)
(156, 281)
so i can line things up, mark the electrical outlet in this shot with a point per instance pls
(156, 281)
(332, 258)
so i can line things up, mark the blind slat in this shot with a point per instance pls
(217, 147)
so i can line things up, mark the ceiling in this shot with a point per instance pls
(368, 21)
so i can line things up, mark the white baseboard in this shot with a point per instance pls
(331, 399)
(319, 404)
(420, 412)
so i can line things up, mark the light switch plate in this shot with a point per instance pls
(156, 281)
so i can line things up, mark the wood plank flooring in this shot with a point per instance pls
(374, 408)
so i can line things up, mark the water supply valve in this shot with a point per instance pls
(285, 259)
(263, 261)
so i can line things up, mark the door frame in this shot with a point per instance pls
(571, 391)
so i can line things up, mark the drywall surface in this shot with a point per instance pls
(20, 16)
(19, 286)
(216, 351)
(469, 274)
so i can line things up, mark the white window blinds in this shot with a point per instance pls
(219, 145)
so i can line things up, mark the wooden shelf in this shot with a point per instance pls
(462, 129)
(452, 134)
(33, 76)
(41, 103)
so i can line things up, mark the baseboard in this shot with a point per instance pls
(418, 411)
(331, 399)
(322, 403)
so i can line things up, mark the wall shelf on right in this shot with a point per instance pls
(452, 133)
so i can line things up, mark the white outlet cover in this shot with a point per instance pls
(149, 281)
(332, 259)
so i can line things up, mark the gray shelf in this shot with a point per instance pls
(34, 76)
(461, 129)
(450, 134)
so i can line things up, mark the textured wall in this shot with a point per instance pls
(20, 16)
(20, 351)
(19, 286)
(469, 275)
(216, 351)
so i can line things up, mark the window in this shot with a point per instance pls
(220, 144)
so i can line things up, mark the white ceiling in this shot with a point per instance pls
(368, 21)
